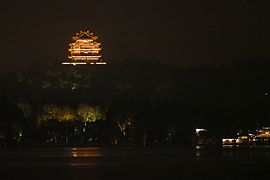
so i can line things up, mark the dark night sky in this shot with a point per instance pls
(176, 32)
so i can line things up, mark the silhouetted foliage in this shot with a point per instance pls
(145, 103)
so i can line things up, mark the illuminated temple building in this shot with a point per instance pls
(84, 49)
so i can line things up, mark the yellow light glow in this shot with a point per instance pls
(228, 140)
(84, 49)
(74, 63)
(198, 130)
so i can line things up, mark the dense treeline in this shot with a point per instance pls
(132, 102)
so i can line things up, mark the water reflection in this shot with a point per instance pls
(232, 151)
(84, 156)
(198, 154)
(86, 152)
(50, 157)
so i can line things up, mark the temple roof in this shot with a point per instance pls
(84, 35)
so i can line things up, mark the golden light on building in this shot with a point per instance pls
(84, 49)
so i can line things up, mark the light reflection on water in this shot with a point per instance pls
(86, 152)
(232, 151)
(47, 157)
(198, 154)
(77, 153)
(51, 152)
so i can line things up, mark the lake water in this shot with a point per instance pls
(135, 163)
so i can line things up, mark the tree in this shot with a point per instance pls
(125, 123)
(90, 113)
(10, 115)
(26, 108)
(48, 112)
(54, 121)
(66, 114)
(54, 112)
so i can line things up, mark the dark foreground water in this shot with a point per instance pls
(135, 163)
